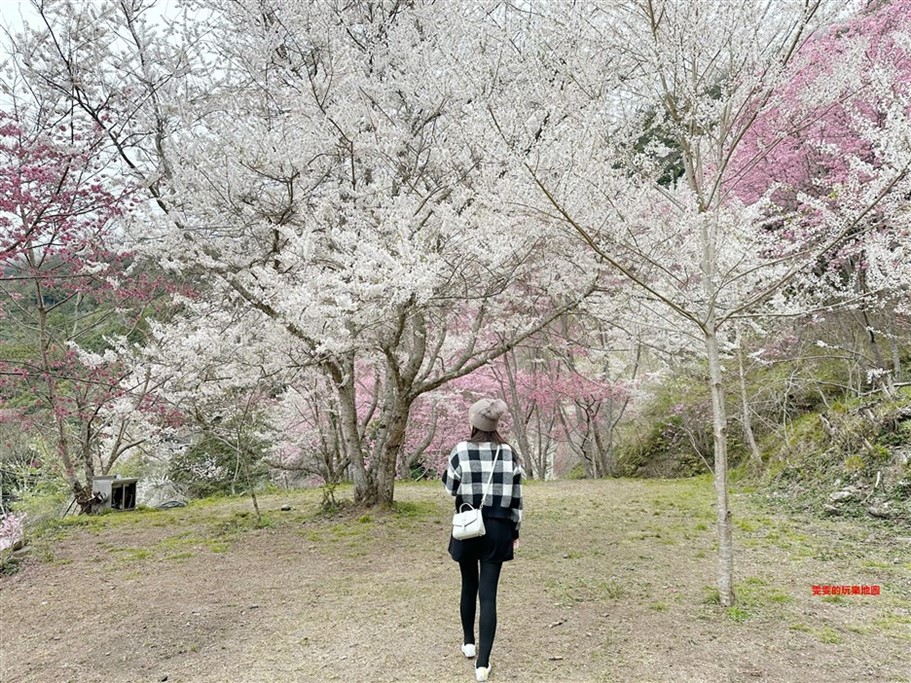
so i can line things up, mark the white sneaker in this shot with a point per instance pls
(468, 650)
(482, 672)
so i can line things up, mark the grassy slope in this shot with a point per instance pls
(867, 450)
(612, 583)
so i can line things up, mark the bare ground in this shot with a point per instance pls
(612, 583)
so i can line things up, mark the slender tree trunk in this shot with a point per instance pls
(243, 457)
(719, 422)
(62, 446)
(746, 419)
(587, 445)
(896, 359)
(520, 426)
(719, 432)
(540, 447)
(884, 381)
(602, 452)
(252, 485)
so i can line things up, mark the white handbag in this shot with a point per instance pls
(469, 523)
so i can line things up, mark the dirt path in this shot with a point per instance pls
(612, 583)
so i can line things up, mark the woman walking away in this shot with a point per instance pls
(484, 472)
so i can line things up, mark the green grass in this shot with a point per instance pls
(711, 596)
(828, 636)
(747, 525)
(132, 554)
(568, 592)
(738, 613)
(209, 525)
(419, 509)
(834, 599)
(754, 597)
(859, 630)
(894, 621)
(875, 564)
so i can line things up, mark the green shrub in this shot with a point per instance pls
(212, 467)
(673, 433)
(576, 472)
(45, 503)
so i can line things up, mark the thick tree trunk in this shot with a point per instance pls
(719, 432)
(365, 492)
(374, 483)
(88, 465)
(389, 456)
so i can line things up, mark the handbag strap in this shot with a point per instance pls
(493, 468)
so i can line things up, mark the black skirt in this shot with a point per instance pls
(493, 546)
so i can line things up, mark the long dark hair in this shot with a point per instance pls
(481, 436)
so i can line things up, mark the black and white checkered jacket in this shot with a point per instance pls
(467, 474)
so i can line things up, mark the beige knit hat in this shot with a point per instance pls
(486, 413)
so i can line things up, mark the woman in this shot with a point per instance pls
(480, 559)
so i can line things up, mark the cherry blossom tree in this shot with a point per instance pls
(325, 181)
(642, 110)
(65, 283)
(827, 153)
(308, 442)
(562, 396)
(11, 530)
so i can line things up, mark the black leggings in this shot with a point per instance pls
(483, 586)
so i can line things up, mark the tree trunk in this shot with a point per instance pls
(709, 267)
(88, 467)
(541, 446)
(80, 492)
(520, 425)
(389, 456)
(602, 451)
(896, 359)
(365, 492)
(586, 443)
(719, 432)
(374, 484)
(746, 419)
